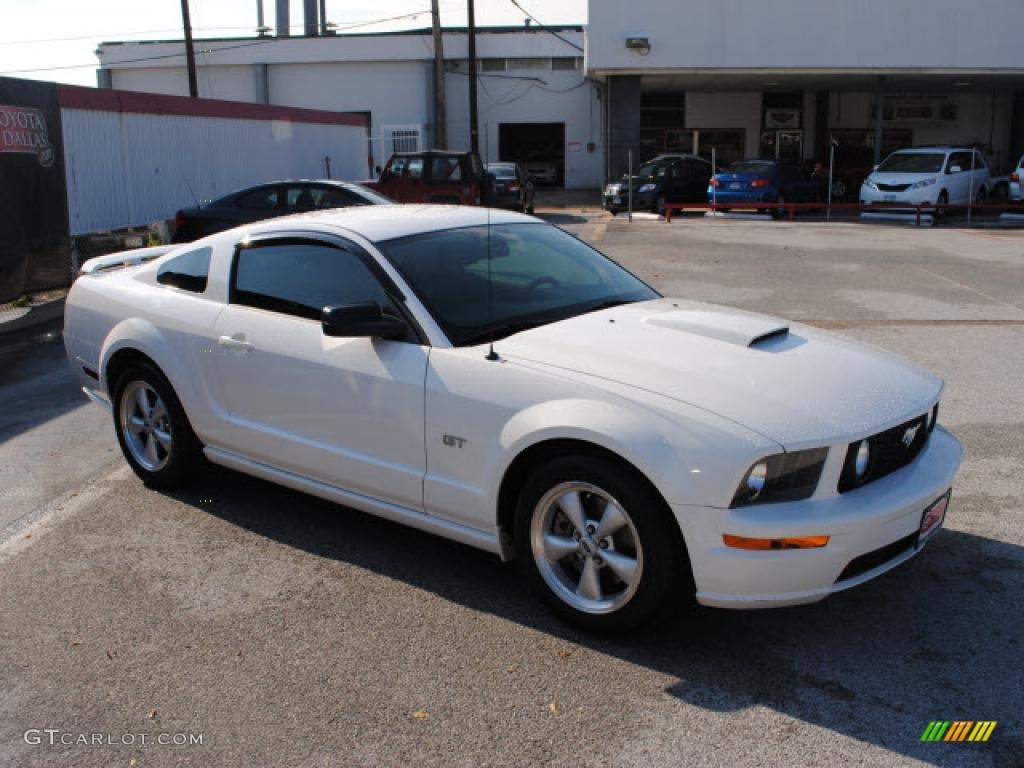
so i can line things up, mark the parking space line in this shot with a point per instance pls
(972, 290)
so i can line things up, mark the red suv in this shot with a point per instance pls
(455, 178)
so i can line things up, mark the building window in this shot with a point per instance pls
(566, 62)
(523, 63)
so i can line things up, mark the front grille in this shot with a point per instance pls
(877, 557)
(890, 450)
(893, 187)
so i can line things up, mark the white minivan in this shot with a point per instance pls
(1016, 185)
(937, 176)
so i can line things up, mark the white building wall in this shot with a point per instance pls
(815, 34)
(126, 169)
(390, 76)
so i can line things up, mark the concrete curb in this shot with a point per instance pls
(37, 315)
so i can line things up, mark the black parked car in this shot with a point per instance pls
(665, 179)
(278, 198)
(512, 187)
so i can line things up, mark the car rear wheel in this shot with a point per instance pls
(152, 429)
(599, 546)
(779, 212)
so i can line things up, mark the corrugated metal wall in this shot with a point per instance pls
(128, 169)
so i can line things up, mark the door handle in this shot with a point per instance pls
(232, 343)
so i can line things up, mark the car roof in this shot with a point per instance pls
(679, 156)
(378, 223)
(433, 152)
(931, 150)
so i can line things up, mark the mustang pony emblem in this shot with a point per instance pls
(910, 434)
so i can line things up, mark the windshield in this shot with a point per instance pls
(539, 275)
(652, 171)
(368, 194)
(913, 162)
(752, 166)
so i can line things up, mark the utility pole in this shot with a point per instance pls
(190, 51)
(474, 125)
(440, 105)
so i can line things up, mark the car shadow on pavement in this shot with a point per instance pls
(939, 638)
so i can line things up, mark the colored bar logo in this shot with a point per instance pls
(959, 730)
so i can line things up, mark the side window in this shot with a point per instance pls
(445, 170)
(415, 168)
(265, 199)
(334, 197)
(961, 159)
(979, 161)
(300, 279)
(189, 271)
(300, 198)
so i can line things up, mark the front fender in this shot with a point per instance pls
(689, 455)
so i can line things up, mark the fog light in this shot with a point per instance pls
(863, 460)
(793, 542)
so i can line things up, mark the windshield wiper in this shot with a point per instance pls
(501, 331)
(597, 306)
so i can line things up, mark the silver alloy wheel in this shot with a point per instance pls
(145, 425)
(586, 548)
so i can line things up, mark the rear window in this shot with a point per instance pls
(752, 166)
(259, 199)
(189, 271)
(503, 171)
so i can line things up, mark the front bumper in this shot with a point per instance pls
(922, 196)
(859, 522)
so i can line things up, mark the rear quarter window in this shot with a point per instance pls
(190, 271)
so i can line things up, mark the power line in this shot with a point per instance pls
(93, 65)
(545, 28)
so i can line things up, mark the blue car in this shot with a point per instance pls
(765, 181)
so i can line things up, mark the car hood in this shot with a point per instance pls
(794, 384)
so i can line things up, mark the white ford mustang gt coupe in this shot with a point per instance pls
(490, 378)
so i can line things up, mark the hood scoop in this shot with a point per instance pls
(734, 328)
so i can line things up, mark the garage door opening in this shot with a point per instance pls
(538, 147)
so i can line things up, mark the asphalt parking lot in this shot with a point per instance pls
(287, 631)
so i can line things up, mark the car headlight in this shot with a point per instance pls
(613, 189)
(782, 477)
(922, 184)
(646, 188)
(870, 184)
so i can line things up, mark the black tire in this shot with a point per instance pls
(659, 205)
(664, 585)
(176, 465)
(940, 204)
(779, 213)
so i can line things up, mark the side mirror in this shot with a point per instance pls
(361, 320)
(954, 169)
(875, 167)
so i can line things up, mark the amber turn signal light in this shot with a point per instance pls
(798, 542)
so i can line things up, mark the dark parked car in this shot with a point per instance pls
(452, 178)
(278, 198)
(765, 181)
(665, 179)
(512, 187)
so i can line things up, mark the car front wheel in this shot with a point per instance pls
(152, 429)
(599, 545)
